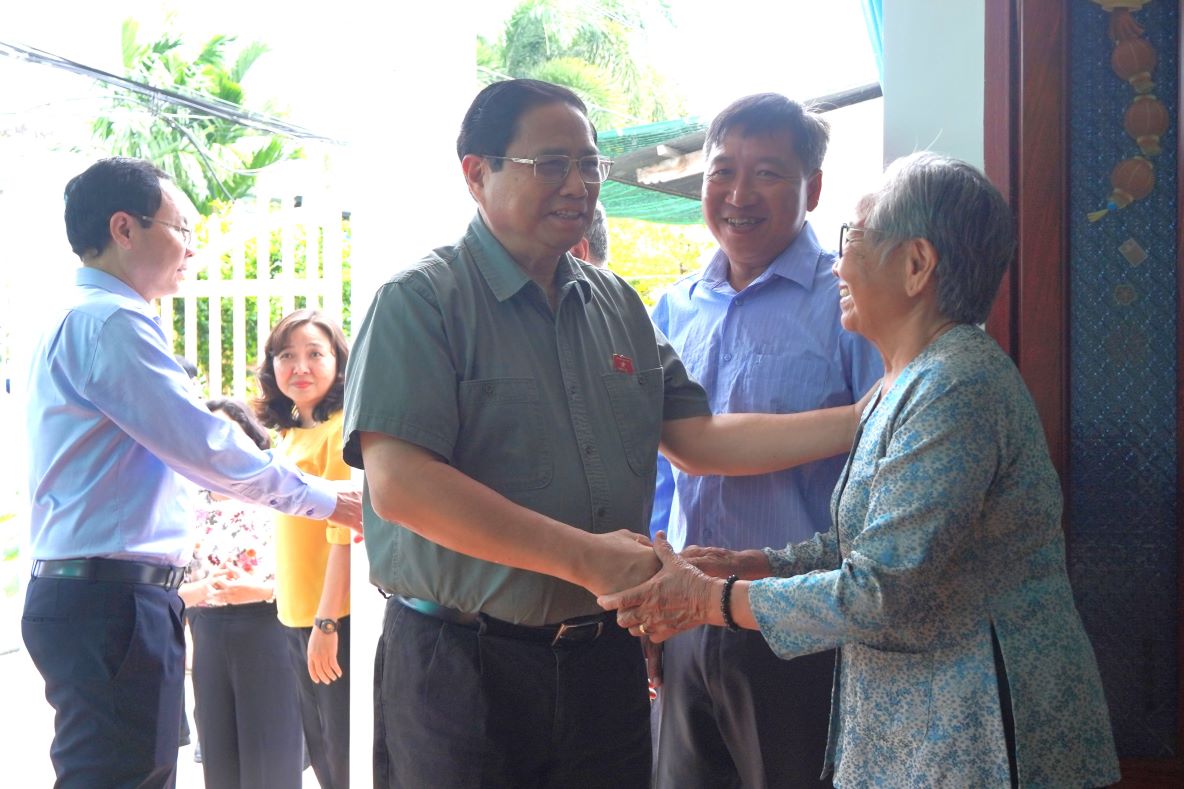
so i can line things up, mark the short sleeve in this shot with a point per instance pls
(401, 379)
(683, 397)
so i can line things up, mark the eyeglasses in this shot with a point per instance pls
(185, 232)
(844, 235)
(553, 168)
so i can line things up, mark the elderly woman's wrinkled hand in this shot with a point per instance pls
(678, 598)
(750, 565)
(716, 562)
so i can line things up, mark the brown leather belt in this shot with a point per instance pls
(110, 570)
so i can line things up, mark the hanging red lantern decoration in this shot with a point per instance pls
(1134, 59)
(1146, 120)
(1132, 179)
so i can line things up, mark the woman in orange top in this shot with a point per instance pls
(302, 382)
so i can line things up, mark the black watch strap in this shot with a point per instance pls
(326, 626)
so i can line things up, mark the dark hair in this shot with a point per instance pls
(189, 367)
(765, 113)
(241, 416)
(597, 236)
(956, 209)
(102, 190)
(491, 122)
(274, 408)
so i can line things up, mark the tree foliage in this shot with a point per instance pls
(595, 48)
(213, 160)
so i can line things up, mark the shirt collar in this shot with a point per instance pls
(86, 276)
(798, 262)
(505, 277)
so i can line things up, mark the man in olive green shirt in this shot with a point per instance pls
(507, 403)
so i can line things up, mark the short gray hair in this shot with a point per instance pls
(953, 206)
(597, 236)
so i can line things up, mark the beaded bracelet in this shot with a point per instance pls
(725, 603)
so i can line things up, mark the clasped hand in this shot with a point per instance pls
(229, 586)
(680, 596)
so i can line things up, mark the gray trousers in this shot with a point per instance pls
(730, 713)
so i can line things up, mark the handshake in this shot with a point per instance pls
(661, 593)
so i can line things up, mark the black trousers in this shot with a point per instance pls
(113, 659)
(324, 709)
(730, 713)
(454, 708)
(247, 705)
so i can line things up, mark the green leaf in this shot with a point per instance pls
(246, 59)
(128, 47)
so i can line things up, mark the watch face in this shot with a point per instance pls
(326, 625)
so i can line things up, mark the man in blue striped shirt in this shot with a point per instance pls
(115, 429)
(759, 328)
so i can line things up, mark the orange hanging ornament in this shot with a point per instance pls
(1134, 59)
(1132, 179)
(1146, 120)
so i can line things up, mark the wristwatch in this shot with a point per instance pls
(326, 626)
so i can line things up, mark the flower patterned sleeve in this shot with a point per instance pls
(820, 552)
(908, 522)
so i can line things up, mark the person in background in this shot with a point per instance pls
(246, 701)
(116, 436)
(302, 384)
(186, 733)
(593, 246)
(942, 580)
(507, 402)
(190, 369)
(759, 328)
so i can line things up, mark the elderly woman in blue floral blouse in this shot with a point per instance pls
(942, 581)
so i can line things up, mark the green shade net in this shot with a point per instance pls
(630, 201)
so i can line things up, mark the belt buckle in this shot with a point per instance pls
(567, 631)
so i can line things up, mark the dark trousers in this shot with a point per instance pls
(458, 709)
(113, 659)
(247, 705)
(324, 709)
(730, 713)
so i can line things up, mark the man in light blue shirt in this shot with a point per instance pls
(759, 328)
(115, 431)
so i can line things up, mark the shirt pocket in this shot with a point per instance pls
(636, 401)
(786, 381)
(505, 443)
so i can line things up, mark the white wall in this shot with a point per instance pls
(402, 94)
(933, 78)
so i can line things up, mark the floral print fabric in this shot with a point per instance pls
(945, 535)
(229, 533)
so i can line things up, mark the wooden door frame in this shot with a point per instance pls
(1026, 156)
